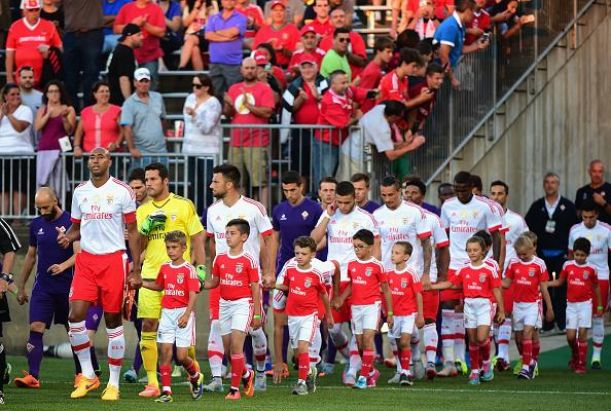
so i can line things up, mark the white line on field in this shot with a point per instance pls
(475, 390)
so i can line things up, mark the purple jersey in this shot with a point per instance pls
(43, 236)
(292, 222)
(370, 206)
(431, 208)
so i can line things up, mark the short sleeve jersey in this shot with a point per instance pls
(177, 282)
(600, 240)
(477, 282)
(366, 278)
(526, 279)
(305, 287)
(235, 273)
(180, 216)
(580, 280)
(404, 285)
(43, 236)
(102, 213)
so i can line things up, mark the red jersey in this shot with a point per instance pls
(366, 277)
(24, 40)
(336, 110)
(481, 21)
(285, 37)
(298, 55)
(258, 94)
(580, 281)
(370, 79)
(393, 88)
(526, 279)
(253, 12)
(323, 29)
(305, 286)
(404, 285)
(177, 282)
(236, 274)
(308, 112)
(423, 110)
(151, 45)
(477, 282)
(356, 46)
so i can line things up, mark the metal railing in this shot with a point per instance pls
(263, 167)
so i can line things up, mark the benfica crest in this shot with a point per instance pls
(307, 283)
(482, 278)
(368, 271)
(403, 282)
(585, 275)
(239, 267)
(180, 278)
(531, 272)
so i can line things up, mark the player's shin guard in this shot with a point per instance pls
(304, 365)
(503, 339)
(259, 348)
(459, 336)
(34, 353)
(447, 335)
(527, 349)
(395, 351)
(368, 357)
(598, 336)
(430, 342)
(314, 352)
(340, 340)
(148, 348)
(215, 349)
(355, 358)
(81, 346)
(116, 352)
(415, 345)
(166, 378)
(237, 369)
(474, 355)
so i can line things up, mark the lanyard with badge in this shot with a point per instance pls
(550, 225)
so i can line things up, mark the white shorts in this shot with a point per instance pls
(579, 315)
(365, 317)
(527, 314)
(403, 324)
(235, 315)
(303, 328)
(279, 300)
(169, 332)
(478, 311)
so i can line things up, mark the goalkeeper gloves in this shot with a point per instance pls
(152, 222)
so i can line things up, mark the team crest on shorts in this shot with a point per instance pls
(180, 278)
(482, 278)
(368, 271)
(531, 272)
(307, 283)
(403, 282)
(239, 267)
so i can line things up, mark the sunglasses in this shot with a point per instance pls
(197, 86)
(343, 40)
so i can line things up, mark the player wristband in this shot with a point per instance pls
(600, 307)
(390, 313)
(8, 277)
(256, 317)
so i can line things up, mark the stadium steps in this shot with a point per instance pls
(509, 110)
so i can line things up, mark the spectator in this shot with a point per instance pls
(309, 42)
(322, 22)
(356, 53)
(551, 219)
(110, 9)
(337, 58)
(599, 191)
(202, 115)
(423, 95)
(445, 191)
(403, 12)
(143, 119)
(122, 64)
(149, 17)
(360, 182)
(29, 40)
(444, 8)
(417, 192)
(54, 13)
(281, 35)
(83, 43)
(337, 110)
(394, 85)
(451, 34)
(29, 95)
(371, 76)
(15, 122)
(267, 50)
(225, 32)
(55, 119)
(194, 18)
(300, 106)
(265, 74)
(99, 125)
(172, 40)
(424, 22)
(255, 20)
(347, 6)
(250, 102)
(294, 11)
(479, 24)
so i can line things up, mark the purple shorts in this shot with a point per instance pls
(94, 316)
(48, 307)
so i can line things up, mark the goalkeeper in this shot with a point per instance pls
(165, 212)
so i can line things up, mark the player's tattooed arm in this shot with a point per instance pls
(427, 254)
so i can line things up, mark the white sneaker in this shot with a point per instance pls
(419, 370)
(349, 379)
(260, 381)
(395, 378)
(216, 385)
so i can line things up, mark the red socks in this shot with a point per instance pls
(536, 349)
(474, 354)
(527, 351)
(304, 365)
(237, 369)
(166, 378)
(406, 355)
(189, 366)
(368, 356)
(583, 352)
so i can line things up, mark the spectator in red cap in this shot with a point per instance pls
(268, 51)
(309, 41)
(254, 14)
(322, 22)
(300, 106)
(281, 35)
(356, 52)
(371, 76)
(294, 11)
(265, 73)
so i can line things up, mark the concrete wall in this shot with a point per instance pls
(562, 130)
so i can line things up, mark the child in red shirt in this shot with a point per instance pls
(367, 277)
(481, 283)
(582, 285)
(304, 286)
(407, 303)
(178, 280)
(237, 275)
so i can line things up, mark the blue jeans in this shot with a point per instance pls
(324, 160)
(82, 51)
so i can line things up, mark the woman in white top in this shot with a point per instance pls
(15, 138)
(202, 139)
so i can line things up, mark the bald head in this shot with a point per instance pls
(101, 150)
(45, 194)
(249, 69)
(46, 203)
(597, 173)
